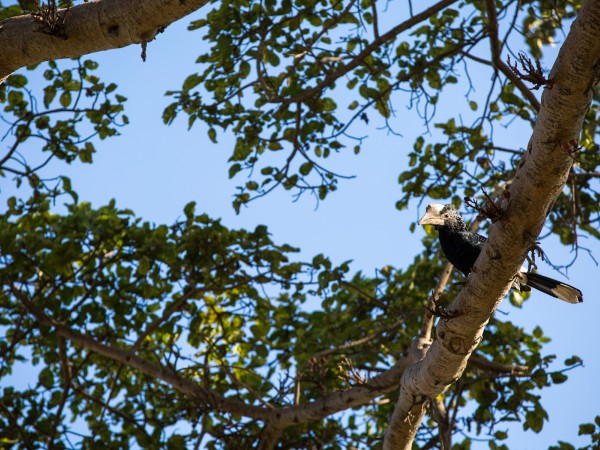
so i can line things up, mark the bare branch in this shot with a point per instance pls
(532, 73)
(440, 415)
(375, 44)
(497, 60)
(269, 437)
(513, 369)
(428, 318)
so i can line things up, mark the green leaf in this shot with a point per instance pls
(516, 298)
(573, 360)
(212, 135)
(244, 69)
(191, 81)
(16, 81)
(501, 435)
(85, 154)
(306, 168)
(586, 428)
(233, 169)
(328, 104)
(558, 377)
(275, 146)
(49, 94)
(189, 210)
(65, 99)
(46, 378)
(272, 58)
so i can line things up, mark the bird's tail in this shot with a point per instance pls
(552, 287)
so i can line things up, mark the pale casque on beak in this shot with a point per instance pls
(433, 215)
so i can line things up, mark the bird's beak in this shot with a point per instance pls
(432, 217)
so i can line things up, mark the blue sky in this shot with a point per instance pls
(155, 170)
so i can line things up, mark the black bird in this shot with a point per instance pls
(462, 248)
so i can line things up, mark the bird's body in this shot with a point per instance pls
(462, 248)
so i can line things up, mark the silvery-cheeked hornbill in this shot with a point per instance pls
(462, 248)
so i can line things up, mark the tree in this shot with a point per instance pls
(137, 328)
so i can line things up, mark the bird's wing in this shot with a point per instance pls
(479, 239)
(461, 248)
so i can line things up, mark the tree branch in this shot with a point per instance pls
(89, 27)
(269, 437)
(496, 57)
(482, 363)
(537, 183)
(374, 45)
(428, 318)
(276, 418)
(156, 371)
(342, 400)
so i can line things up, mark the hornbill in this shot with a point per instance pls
(462, 248)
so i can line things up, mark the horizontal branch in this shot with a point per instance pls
(129, 358)
(275, 418)
(342, 400)
(90, 27)
(513, 369)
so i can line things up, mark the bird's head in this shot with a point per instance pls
(442, 216)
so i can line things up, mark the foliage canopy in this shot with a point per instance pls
(118, 315)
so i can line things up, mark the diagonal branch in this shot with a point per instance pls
(342, 400)
(129, 358)
(537, 183)
(374, 45)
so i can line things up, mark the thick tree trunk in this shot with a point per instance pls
(86, 28)
(536, 186)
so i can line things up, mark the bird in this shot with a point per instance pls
(462, 247)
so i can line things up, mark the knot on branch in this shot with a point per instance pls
(51, 18)
(531, 73)
(418, 348)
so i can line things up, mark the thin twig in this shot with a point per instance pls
(497, 61)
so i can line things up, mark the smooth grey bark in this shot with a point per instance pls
(89, 27)
(538, 182)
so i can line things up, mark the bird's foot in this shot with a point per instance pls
(438, 310)
(531, 255)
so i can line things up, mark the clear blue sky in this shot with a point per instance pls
(155, 170)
